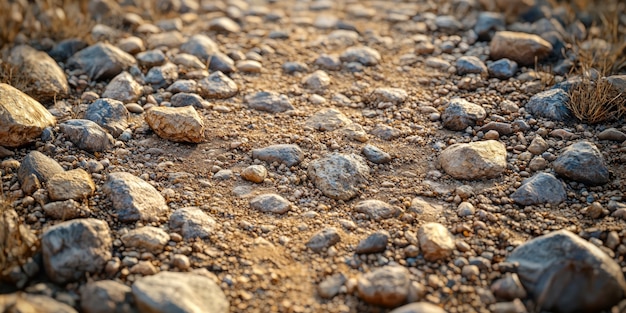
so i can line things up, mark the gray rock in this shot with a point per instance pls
(123, 88)
(331, 286)
(224, 25)
(448, 23)
(470, 65)
(364, 55)
(330, 62)
(184, 99)
(151, 58)
(110, 114)
(249, 66)
(374, 243)
(30, 303)
(269, 101)
(101, 61)
(418, 307)
(170, 39)
(551, 104)
(147, 238)
(134, 199)
(539, 189)
(488, 23)
(386, 286)
(270, 203)
(509, 287)
(426, 211)
(66, 48)
(557, 269)
(183, 86)
(436, 241)
(65, 210)
(500, 127)
(323, 239)
(200, 46)
(502, 69)
(327, 120)
(386, 132)
(37, 168)
(396, 96)
(73, 248)
(217, 86)
(87, 135)
(45, 79)
(287, 154)
(375, 154)
(223, 175)
(460, 113)
(192, 223)
(171, 292)
(582, 162)
(475, 160)
(182, 124)
(338, 176)
(612, 134)
(106, 296)
(162, 76)
(522, 48)
(74, 184)
(376, 209)
(22, 118)
(221, 62)
(318, 81)
(188, 61)
(294, 67)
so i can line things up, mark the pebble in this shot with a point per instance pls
(520, 47)
(551, 104)
(269, 101)
(376, 209)
(217, 86)
(363, 55)
(288, 154)
(375, 154)
(470, 65)
(612, 134)
(123, 87)
(101, 61)
(180, 124)
(317, 81)
(460, 113)
(74, 184)
(476, 160)
(418, 307)
(270, 203)
(133, 198)
(147, 238)
(38, 66)
(502, 69)
(323, 240)
(87, 135)
(509, 287)
(254, 173)
(436, 242)
(374, 243)
(582, 162)
(331, 286)
(385, 286)
(249, 66)
(192, 223)
(540, 189)
(105, 296)
(110, 114)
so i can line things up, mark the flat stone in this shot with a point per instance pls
(425, 210)
(74, 184)
(538, 145)
(551, 104)
(330, 62)
(327, 120)
(65, 210)
(270, 203)
(612, 134)
(288, 154)
(476, 160)
(338, 176)
(183, 86)
(147, 238)
(374, 243)
(556, 270)
(295, 67)
(376, 209)
(217, 86)
(131, 45)
(22, 118)
(46, 80)
(110, 114)
(323, 240)
(522, 48)
(269, 101)
(101, 61)
(582, 162)
(123, 87)
(460, 113)
(249, 66)
(182, 124)
(418, 307)
(396, 96)
(386, 286)
(375, 154)
(176, 292)
(133, 198)
(364, 55)
(73, 248)
(386, 132)
(539, 189)
(436, 241)
(192, 223)
(87, 135)
(106, 296)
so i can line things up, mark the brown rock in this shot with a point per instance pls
(22, 118)
(182, 124)
(522, 48)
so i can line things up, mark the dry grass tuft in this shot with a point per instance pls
(594, 102)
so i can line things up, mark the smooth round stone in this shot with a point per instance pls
(134, 108)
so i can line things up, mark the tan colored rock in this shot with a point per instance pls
(475, 160)
(386, 286)
(182, 124)
(254, 173)
(22, 118)
(123, 88)
(45, 78)
(75, 184)
(522, 48)
(436, 242)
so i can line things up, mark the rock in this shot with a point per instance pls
(502, 69)
(217, 86)
(162, 76)
(151, 58)
(488, 23)
(269, 101)
(522, 48)
(249, 66)
(182, 124)
(106, 296)
(110, 114)
(331, 286)
(223, 175)
(515, 306)
(294, 67)
(123, 88)
(612, 134)
(147, 238)
(460, 113)
(538, 146)
(270, 203)
(224, 24)
(448, 23)
(330, 62)
(323, 239)
(426, 211)
(37, 168)
(539, 189)
(509, 287)
(287, 154)
(200, 46)
(179, 292)
(254, 173)
(192, 223)
(317, 81)
(338, 176)
(556, 270)
(418, 307)
(364, 55)
(134, 199)
(436, 242)
(475, 160)
(169, 39)
(65, 210)
(582, 162)
(183, 86)
(499, 127)
(470, 65)
(327, 120)
(66, 48)
(73, 248)
(376, 209)
(386, 286)
(131, 45)
(374, 243)
(375, 154)
(31, 303)
(74, 184)
(221, 62)
(87, 135)
(551, 104)
(22, 118)
(101, 61)
(45, 79)
(396, 96)
(465, 209)
(184, 99)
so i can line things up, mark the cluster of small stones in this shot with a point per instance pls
(310, 156)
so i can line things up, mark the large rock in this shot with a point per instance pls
(73, 248)
(338, 176)
(170, 292)
(74, 184)
(565, 273)
(217, 86)
(269, 101)
(123, 88)
(436, 241)
(37, 168)
(460, 114)
(31, 303)
(541, 188)
(148, 238)
(45, 79)
(476, 160)
(192, 223)
(22, 118)
(182, 124)
(110, 114)
(101, 61)
(287, 154)
(522, 48)
(106, 296)
(582, 162)
(87, 135)
(386, 286)
(550, 104)
(133, 198)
